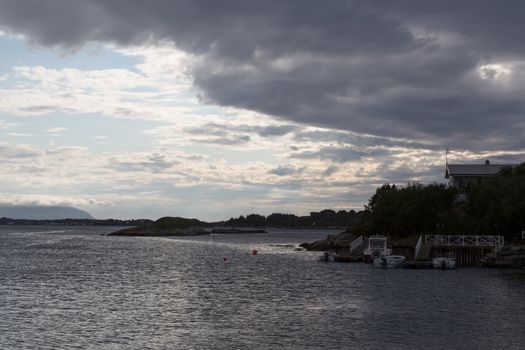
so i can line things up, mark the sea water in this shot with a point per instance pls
(72, 287)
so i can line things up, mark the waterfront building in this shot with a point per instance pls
(462, 176)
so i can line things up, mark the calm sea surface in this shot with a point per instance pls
(69, 287)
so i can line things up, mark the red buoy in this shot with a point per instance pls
(225, 259)
(254, 252)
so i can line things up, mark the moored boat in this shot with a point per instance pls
(445, 262)
(377, 247)
(389, 261)
(328, 257)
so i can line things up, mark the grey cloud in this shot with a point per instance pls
(346, 138)
(220, 134)
(225, 141)
(404, 69)
(14, 152)
(155, 163)
(275, 130)
(233, 134)
(339, 154)
(224, 129)
(330, 170)
(41, 108)
(495, 28)
(287, 170)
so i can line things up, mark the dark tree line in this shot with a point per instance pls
(494, 206)
(324, 218)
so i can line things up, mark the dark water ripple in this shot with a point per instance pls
(72, 289)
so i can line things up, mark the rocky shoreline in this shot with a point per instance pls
(331, 242)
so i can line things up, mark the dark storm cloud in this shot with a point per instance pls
(405, 69)
(492, 27)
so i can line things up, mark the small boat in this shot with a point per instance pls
(445, 262)
(328, 257)
(389, 261)
(376, 248)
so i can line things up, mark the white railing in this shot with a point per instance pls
(418, 247)
(356, 244)
(465, 240)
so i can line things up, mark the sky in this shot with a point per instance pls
(209, 109)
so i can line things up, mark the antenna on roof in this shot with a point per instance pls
(446, 155)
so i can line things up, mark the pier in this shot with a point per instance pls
(469, 249)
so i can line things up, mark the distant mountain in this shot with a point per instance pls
(37, 212)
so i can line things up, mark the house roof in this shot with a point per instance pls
(474, 169)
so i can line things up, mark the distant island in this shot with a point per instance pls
(176, 226)
(74, 222)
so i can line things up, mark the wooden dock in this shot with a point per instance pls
(469, 249)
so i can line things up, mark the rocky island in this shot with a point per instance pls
(177, 226)
(166, 226)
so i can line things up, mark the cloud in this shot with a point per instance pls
(330, 170)
(276, 130)
(10, 152)
(19, 134)
(67, 150)
(5, 125)
(341, 154)
(155, 162)
(408, 69)
(287, 170)
(56, 131)
(118, 93)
